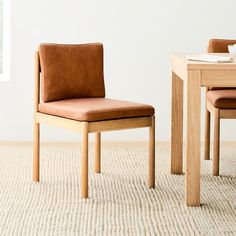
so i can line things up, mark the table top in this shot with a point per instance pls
(184, 62)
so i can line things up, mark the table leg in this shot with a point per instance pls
(192, 177)
(177, 125)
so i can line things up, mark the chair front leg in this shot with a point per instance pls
(216, 158)
(151, 174)
(84, 161)
(97, 162)
(36, 152)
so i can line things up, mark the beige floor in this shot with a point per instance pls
(120, 203)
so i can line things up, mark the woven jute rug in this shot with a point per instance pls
(119, 202)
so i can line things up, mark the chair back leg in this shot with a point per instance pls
(36, 144)
(97, 162)
(151, 174)
(216, 142)
(36, 152)
(207, 135)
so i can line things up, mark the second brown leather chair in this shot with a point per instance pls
(221, 103)
(73, 97)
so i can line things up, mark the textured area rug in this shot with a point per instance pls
(119, 202)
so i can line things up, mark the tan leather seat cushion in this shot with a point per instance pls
(224, 99)
(95, 109)
(71, 71)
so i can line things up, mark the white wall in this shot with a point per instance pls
(138, 36)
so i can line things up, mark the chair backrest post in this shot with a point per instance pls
(36, 81)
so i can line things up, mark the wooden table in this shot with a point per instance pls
(194, 75)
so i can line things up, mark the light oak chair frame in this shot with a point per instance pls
(85, 128)
(217, 114)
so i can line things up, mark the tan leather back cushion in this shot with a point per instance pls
(220, 45)
(71, 71)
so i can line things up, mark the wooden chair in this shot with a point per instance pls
(73, 97)
(221, 103)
